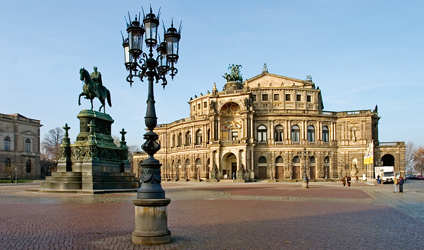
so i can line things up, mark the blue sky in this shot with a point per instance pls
(360, 53)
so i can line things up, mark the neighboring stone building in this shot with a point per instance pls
(19, 147)
(259, 128)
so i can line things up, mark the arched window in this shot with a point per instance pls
(199, 137)
(278, 133)
(279, 160)
(311, 159)
(28, 166)
(27, 145)
(262, 133)
(7, 143)
(262, 160)
(8, 163)
(295, 133)
(327, 160)
(173, 140)
(180, 140)
(296, 159)
(311, 133)
(325, 137)
(188, 138)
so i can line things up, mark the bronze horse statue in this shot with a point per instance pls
(93, 89)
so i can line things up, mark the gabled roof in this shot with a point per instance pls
(18, 115)
(266, 79)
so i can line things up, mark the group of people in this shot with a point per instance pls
(398, 182)
(348, 180)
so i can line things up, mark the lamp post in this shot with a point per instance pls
(305, 181)
(150, 205)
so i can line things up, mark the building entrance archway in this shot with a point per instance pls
(229, 166)
(388, 160)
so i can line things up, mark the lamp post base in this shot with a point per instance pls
(151, 222)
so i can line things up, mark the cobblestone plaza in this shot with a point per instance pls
(222, 216)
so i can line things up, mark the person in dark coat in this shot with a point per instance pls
(344, 181)
(401, 181)
(349, 180)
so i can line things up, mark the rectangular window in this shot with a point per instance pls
(198, 106)
(194, 107)
(276, 97)
(254, 98)
(234, 136)
(264, 97)
(298, 98)
(205, 105)
(287, 97)
(308, 98)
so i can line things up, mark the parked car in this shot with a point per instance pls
(420, 177)
(410, 176)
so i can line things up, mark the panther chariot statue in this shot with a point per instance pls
(234, 75)
(234, 79)
(93, 88)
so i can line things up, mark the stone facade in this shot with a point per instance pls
(260, 129)
(19, 147)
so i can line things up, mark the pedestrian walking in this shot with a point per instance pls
(349, 180)
(357, 179)
(378, 179)
(344, 181)
(396, 183)
(401, 184)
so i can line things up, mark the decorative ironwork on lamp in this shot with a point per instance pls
(143, 64)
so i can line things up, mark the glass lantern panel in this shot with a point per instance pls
(127, 54)
(175, 43)
(169, 47)
(162, 60)
(151, 29)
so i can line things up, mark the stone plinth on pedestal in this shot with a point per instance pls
(151, 222)
(93, 164)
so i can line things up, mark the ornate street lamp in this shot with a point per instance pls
(305, 178)
(150, 211)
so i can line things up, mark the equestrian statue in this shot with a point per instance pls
(93, 87)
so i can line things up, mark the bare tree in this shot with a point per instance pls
(131, 149)
(51, 144)
(409, 157)
(419, 160)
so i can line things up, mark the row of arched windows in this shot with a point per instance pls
(295, 133)
(8, 164)
(296, 159)
(7, 144)
(178, 142)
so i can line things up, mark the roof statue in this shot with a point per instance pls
(375, 109)
(265, 69)
(234, 75)
(308, 78)
(93, 87)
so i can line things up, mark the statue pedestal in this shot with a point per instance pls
(151, 222)
(93, 164)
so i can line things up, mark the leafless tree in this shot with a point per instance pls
(51, 144)
(419, 160)
(131, 149)
(409, 157)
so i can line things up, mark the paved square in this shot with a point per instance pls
(222, 216)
